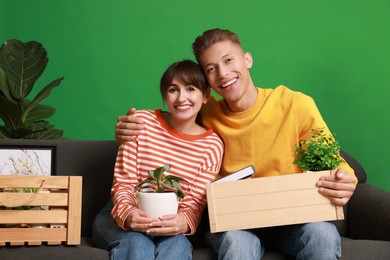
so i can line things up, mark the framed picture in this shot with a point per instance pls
(27, 160)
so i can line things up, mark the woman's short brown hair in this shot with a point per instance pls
(188, 72)
(210, 37)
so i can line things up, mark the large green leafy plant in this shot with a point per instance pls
(23, 64)
(319, 153)
(160, 183)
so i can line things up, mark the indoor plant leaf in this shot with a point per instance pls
(23, 64)
(175, 178)
(9, 113)
(49, 134)
(319, 153)
(179, 192)
(158, 174)
(40, 130)
(162, 182)
(33, 131)
(4, 133)
(45, 92)
(139, 185)
(38, 113)
(4, 86)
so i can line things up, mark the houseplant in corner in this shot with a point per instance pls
(320, 153)
(163, 192)
(23, 64)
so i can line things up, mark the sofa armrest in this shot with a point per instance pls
(369, 213)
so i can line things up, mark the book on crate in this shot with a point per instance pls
(243, 173)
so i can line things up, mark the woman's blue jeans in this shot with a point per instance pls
(128, 245)
(319, 240)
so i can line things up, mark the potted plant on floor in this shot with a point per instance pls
(320, 153)
(163, 192)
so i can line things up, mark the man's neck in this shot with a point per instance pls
(245, 102)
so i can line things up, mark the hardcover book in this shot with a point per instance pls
(243, 173)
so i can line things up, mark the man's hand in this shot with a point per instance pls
(128, 126)
(139, 221)
(169, 225)
(338, 187)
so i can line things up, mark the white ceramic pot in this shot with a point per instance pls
(158, 204)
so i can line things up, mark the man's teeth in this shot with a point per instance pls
(229, 83)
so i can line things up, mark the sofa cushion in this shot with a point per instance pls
(54, 252)
(365, 249)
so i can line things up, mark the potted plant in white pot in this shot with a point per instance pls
(320, 153)
(161, 193)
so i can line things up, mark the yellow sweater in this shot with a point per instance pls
(265, 135)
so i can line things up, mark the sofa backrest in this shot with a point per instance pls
(358, 168)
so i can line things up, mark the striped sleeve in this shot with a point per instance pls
(124, 181)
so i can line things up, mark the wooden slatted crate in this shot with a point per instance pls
(61, 217)
(269, 201)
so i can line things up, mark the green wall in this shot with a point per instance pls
(112, 54)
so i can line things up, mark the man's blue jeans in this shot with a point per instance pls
(126, 245)
(319, 240)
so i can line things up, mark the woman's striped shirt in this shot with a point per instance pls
(197, 158)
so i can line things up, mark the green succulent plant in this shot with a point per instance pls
(319, 153)
(160, 183)
(22, 64)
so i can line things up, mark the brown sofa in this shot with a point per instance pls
(365, 231)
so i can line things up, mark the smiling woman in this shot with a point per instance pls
(170, 138)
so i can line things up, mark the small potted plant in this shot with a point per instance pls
(163, 192)
(319, 153)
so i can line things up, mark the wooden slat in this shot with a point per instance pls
(22, 235)
(47, 199)
(269, 201)
(50, 182)
(275, 217)
(33, 216)
(290, 182)
(74, 211)
(211, 208)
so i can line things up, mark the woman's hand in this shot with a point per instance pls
(139, 221)
(128, 126)
(169, 225)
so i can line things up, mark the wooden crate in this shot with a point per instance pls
(63, 210)
(269, 201)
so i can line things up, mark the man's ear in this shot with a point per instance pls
(248, 60)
